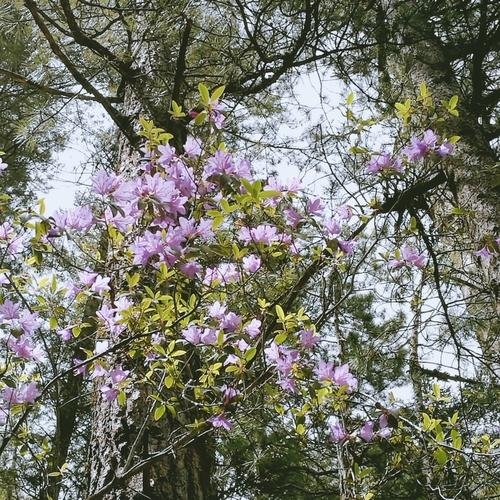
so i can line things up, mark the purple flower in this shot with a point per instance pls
(79, 219)
(446, 149)
(3, 165)
(231, 359)
(338, 434)
(308, 339)
(344, 211)
(384, 430)
(229, 393)
(242, 345)
(324, 371)
(29, 322)
(366, 432)
(263, 233)
(347, 246)
(192, 147)
(342, 377)
(87, 278)
(228, 272)
(217, 310)
(191, 269)
(484, 253)
(220, 421)
(412, 257)
(65, 334)
(9, 310)
(315, 207)
(332, 228)
(292, 217)
(253, 328)
(26, 393)
(25, 349)
(409, 257)
(167, 152)
(109, 393)
(220, 163)
(230, 322)
(384, 162)
(421, 147)
(104, 183)
(118, 375)
(209, 336)
(288, 384)
(251, 263)
(192, 334)
(82, 368)
(100, 285)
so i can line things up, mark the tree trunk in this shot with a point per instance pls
(424, 59)
(123, 437)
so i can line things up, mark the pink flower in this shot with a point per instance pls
(338, 434)
(366, 432)
(229, 393)
(118, 375)
(308, 339)
(342, 377)
(104, 183)
(251, 263)
(109, 393)
(485, 254)
(384, 163)
(65, 334)
(324, 371)
(421, 147)
(101, 285)
(253, 328)
(220, 421)
(192, 334)
(315, 207)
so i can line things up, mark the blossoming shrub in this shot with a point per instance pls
(183, 279)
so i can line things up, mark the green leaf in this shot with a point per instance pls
(440, 456)
(300, 429)
(279, 312)
(250, 354)
(281, 337)
(169, 382)
(204, 94)
(452, 103)
(427, 421)
(217, 93)
(159, 412)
